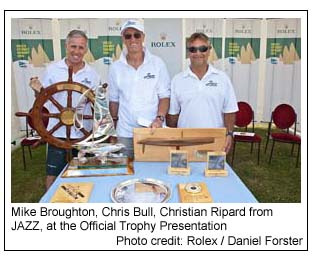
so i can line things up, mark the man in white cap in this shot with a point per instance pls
(139, 86)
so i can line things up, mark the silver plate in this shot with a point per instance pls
(141, 191)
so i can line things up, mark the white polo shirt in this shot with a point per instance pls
(137, 91)
(58, 72)
(201, 103)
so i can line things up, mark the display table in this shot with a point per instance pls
(229, 189)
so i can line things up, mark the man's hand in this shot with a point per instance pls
(35, 84)
(157, 123)
(228, 143)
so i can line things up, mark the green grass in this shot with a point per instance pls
(277, 182)
(28, 185)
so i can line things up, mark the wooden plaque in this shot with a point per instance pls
(195, 192)
(216, 164)
(72, 193)
(156, 145)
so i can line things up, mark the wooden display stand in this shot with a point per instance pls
(179, 171)
(156, 145)
(179, 163)
(94, 163)
(215, 164)
(76, 171)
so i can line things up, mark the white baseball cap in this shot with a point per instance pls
(136, 24)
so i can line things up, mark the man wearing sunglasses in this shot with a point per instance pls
(139, 86)
(202, 96)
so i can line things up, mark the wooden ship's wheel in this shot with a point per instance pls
(65, 114)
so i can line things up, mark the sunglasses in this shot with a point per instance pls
(202, 49)
(135, 35)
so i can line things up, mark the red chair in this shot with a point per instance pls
(284, 117)
(245, 116)
(30, 140)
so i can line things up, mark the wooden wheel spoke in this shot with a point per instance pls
(51, 115)
(56, 103)
(69, 98)
(68, 131)
(57, 126)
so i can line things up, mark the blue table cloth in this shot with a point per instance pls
(229, 189)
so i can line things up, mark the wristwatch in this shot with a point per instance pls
(230, 133)
(161, 117)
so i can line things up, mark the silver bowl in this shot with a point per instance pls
(141, 191)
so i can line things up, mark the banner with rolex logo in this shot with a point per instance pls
(105, 43)
(242, 53)
(283, 65)
(32, 50)
(163, 38)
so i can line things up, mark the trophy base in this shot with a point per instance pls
(179, 171)
(215, 173)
